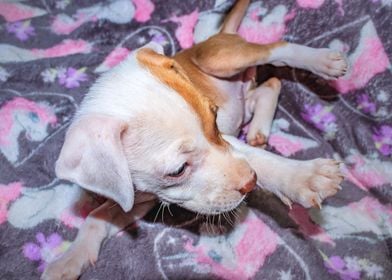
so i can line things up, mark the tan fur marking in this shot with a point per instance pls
(201, 81)
(171, 73)
(234, 18)
(224, 55)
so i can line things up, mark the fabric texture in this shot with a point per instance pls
(52, 51)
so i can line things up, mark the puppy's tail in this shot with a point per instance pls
(234, 18)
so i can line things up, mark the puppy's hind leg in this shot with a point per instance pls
(326, 63)
(261, 105)
(225, 55)
(103, 222)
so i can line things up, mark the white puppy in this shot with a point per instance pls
(152, 124)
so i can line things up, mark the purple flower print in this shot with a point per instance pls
(322, 118)
(22, 29)
(45, 250)
(365, 104)
(160, 39)
(336, 265)
(383, 140)
(72, 77)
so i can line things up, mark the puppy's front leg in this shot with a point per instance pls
(103, 222)
(305, 182)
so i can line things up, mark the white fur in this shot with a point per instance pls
(163, 132)
(326, 63)
(129, 89)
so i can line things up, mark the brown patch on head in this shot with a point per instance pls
(171, 73)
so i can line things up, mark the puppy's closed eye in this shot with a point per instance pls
(179, 172)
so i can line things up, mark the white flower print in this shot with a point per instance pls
(4, 75)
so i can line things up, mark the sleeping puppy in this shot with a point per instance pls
(158, 127)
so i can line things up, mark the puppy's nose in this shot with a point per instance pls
(250, 185)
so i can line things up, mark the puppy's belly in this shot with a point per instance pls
(231, 113)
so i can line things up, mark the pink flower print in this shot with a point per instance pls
(184, 32)
(307, 226)
(322, 118)
(238, 257)
(116, 56)
(336, 265)
(383, 140)
(310, 4)
(45, 250)
(284, 145)
(22, 29)
(365, 104)
(72, 77)
(144, 9)
(8, 193)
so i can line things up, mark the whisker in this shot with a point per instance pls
(209, 225)
(163, 212)
(206, 222)
(236, 215)
(159, 209)
(232, 217)
(227, 218)
(168, 208)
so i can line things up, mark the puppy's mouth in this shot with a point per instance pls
(206, 208)
(214, 208)
(179, 202)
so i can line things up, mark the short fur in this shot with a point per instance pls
(167, 127)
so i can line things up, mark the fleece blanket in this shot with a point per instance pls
(52, 51)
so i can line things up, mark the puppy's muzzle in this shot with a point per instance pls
(249, 186)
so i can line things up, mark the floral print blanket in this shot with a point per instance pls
(52, 51)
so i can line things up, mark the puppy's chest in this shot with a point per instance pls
(231, 112)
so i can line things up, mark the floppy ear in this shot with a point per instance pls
(93, 157)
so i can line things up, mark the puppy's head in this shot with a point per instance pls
(144, 125)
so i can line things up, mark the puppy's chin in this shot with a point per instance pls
(212, 208)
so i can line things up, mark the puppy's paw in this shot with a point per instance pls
(256, 139)
(329, 64)
(70, 265)
(311, 182)
(273, 83)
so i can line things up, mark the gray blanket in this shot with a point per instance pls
(52, 51)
